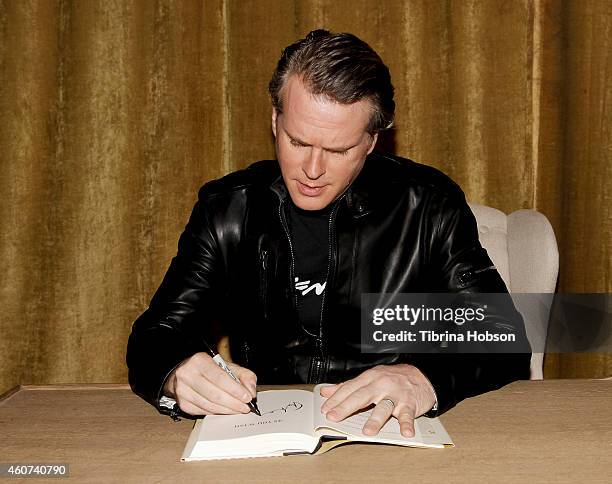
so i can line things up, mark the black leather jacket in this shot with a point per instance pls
(400, 227)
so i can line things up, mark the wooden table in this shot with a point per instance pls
(530, 431)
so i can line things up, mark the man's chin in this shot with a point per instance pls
(309, 203)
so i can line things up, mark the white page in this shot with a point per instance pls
(282, 411)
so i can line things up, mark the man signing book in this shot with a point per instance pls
(278, 255)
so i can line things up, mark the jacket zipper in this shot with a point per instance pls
(263, 281)
(281, 216)
(315, 372)
(246, 350)
(331, 258)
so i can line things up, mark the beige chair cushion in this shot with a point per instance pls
(523, 247)
(493, 234)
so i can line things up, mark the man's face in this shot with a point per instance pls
(321, 145)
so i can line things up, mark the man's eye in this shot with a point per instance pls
(296, 144)
(341, 153)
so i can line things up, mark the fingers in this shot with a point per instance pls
(218, 395)
(201, 387)
(405, 417)
(381, 413)
(209, 370)
(193, 403)
(405, 385)
(354, 402)
(247, 378)
(341, 393)
(328, 390)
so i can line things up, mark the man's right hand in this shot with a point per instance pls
(201, 387)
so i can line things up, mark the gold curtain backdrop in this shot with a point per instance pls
(113, 113)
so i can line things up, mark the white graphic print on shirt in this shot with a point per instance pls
(305, 287)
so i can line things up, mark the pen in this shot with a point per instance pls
(218, 359)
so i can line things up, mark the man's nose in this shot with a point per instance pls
(314, 166)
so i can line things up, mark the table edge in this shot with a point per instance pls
(62, 386)
(124, 386)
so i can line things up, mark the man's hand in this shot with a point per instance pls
(200, 387)
(409, 390)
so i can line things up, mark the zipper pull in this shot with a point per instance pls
(263, 282)
(319, 346)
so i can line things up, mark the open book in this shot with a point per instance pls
(291, 422)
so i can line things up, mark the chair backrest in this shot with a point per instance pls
(523, 247)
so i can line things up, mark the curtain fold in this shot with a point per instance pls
(113, 113)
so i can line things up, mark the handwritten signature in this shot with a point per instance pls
(293, 406)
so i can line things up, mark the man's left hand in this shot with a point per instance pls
(401, 391)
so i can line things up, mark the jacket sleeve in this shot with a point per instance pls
(463, 266)
(173, 326)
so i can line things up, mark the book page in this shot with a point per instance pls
(282, 411)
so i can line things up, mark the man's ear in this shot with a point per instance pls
(274, 115)
(374, 140)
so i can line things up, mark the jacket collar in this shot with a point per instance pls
(358, 194)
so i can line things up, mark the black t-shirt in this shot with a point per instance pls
(310, 240)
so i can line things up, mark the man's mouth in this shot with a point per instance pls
(309, 190)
